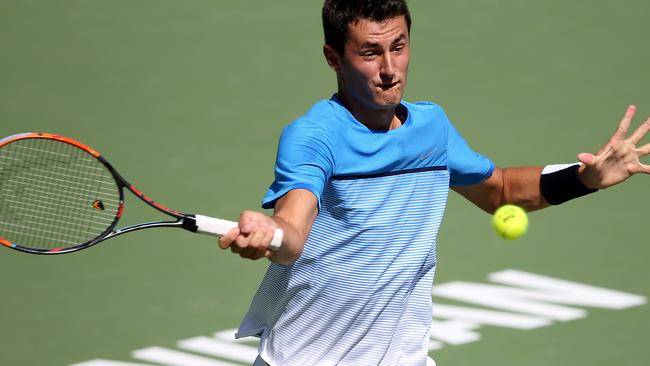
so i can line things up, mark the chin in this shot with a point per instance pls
(390, 101)
(389, 105)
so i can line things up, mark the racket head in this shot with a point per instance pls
(57, 195)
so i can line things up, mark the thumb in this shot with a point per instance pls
(586, 158)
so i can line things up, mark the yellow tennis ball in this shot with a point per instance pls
(510, 222)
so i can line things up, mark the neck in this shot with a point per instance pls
(382, 119)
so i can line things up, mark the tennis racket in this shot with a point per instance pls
(58, 196)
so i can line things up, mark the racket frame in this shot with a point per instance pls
(184, 221)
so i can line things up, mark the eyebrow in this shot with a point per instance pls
(399, 39)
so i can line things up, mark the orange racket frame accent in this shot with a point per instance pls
(33, 135)
(6, 242)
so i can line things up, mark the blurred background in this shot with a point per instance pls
(187, 100)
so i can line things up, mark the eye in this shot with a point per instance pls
(368, 54)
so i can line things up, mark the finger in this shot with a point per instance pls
(257, 237)
(258, 254)
(587, 158)
(643, 168)
(236, 249)
(606, 150)
(248, 252)
(260, 241)
(241, 243)
(624, 125)
(252, 225)
(640, 132)
(268, 238)
(245, 222)
(253, 253)
(227, 240)
(621, 130)
(248, 220)
(644, 150)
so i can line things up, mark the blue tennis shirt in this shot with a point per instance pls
(360, 294)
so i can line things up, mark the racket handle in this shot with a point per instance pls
(219, 227)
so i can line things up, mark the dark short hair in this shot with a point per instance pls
(338, 14)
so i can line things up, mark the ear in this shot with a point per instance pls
(332, 57)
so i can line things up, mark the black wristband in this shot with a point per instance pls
(563, 185)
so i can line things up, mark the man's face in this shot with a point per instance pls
(374, 65)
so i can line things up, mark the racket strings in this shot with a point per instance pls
(53, 194)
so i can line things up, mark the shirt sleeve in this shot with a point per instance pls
(304, 161)
(466, 166)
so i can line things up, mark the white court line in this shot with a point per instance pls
(170, 357)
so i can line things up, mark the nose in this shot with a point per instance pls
(386, 69)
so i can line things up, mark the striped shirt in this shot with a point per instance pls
(360, 294)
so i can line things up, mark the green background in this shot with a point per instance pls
(187, 99)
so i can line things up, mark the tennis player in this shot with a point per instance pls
(361, 183)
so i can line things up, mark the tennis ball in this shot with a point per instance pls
(510, 222)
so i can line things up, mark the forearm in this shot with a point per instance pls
(294, 213)
(519, 186)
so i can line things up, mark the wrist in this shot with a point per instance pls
(561, 183)
(584, 177)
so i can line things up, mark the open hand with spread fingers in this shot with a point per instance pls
(619, 159)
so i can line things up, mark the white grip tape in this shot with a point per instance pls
(219, 227)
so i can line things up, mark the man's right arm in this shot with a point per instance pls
(294, 213)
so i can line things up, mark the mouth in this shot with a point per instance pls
(388, 86)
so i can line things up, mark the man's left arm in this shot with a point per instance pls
(534, 188)
(519, 186)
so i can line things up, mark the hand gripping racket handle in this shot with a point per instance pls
(219, 227)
